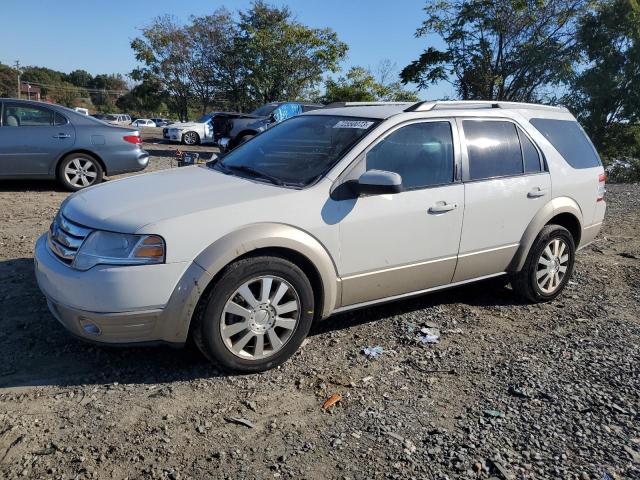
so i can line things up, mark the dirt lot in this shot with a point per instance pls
(512, 390)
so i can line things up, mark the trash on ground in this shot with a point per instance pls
(239, 421)
(331, 401)
(517, 391)
(373, 352)
(429, 335)
(494, 413)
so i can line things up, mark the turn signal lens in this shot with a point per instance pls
(151, 247)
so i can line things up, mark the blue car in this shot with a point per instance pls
(41, 140)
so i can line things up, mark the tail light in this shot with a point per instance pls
(602, 178)
(135, 139)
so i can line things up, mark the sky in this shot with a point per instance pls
(95, 35)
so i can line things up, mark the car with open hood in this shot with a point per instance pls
(236, 130)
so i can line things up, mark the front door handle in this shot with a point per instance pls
(537, 192)
(442, 207)
(62, 135)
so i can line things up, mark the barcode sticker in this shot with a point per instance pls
(353, 124)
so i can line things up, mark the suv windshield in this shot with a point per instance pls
(264, 110)
(297, 151)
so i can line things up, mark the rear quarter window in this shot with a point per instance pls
(570, 140)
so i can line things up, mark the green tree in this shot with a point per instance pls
(106, 89)
(164, 52)
(80, 78)
(360, 85)
(498, 49)
(145, 99)
(606, 94)
(281, 57)
(8, 81)
(216, 71)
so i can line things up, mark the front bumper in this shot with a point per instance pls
(121, 305)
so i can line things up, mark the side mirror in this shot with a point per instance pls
(377, 182)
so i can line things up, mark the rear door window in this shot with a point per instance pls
(570, 140)
(15, 115)
(530, 155)
(493, 149)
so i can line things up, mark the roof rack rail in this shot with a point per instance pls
(364, 104)
(478, 104)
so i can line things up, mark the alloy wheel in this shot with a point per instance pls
(552, 266)
(80, 172)
(260, 317)
(190, 138)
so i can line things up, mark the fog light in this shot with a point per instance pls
(89, 327)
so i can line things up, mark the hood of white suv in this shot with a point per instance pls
(129, 204)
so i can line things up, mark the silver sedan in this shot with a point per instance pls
(41, 140)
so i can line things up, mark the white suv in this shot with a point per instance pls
(331, 210)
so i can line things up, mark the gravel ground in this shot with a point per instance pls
(510, 391)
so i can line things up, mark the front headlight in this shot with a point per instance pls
(108, 248)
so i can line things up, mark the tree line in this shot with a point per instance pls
(78, 88)
(239, 61)
(581, 53)
(584, 54)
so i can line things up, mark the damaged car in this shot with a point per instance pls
(234, 130)
(191, 133)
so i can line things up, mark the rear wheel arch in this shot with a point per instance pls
(62, 157)
(561, 211)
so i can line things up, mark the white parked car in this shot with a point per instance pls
(118, 119)
(143, 122)
(191, 133)
(332, 210)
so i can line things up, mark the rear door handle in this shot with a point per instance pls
(537, 192)
(62, 135)
(442, 207)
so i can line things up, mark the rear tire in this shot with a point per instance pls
(79, 170)
(256, 316)
(548, 266)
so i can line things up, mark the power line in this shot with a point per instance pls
(73, 87)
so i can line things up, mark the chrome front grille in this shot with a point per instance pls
(65, 238)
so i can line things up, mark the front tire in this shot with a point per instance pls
(78, 171)
(548, 267)
(191, 138)
(256, 316)
(245, 138)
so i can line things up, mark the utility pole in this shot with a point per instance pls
(17, 64)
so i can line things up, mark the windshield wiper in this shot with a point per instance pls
(253, 172)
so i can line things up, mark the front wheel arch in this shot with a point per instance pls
(295, 257)
(287, 241)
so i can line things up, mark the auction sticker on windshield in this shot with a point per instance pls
(353, 124)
